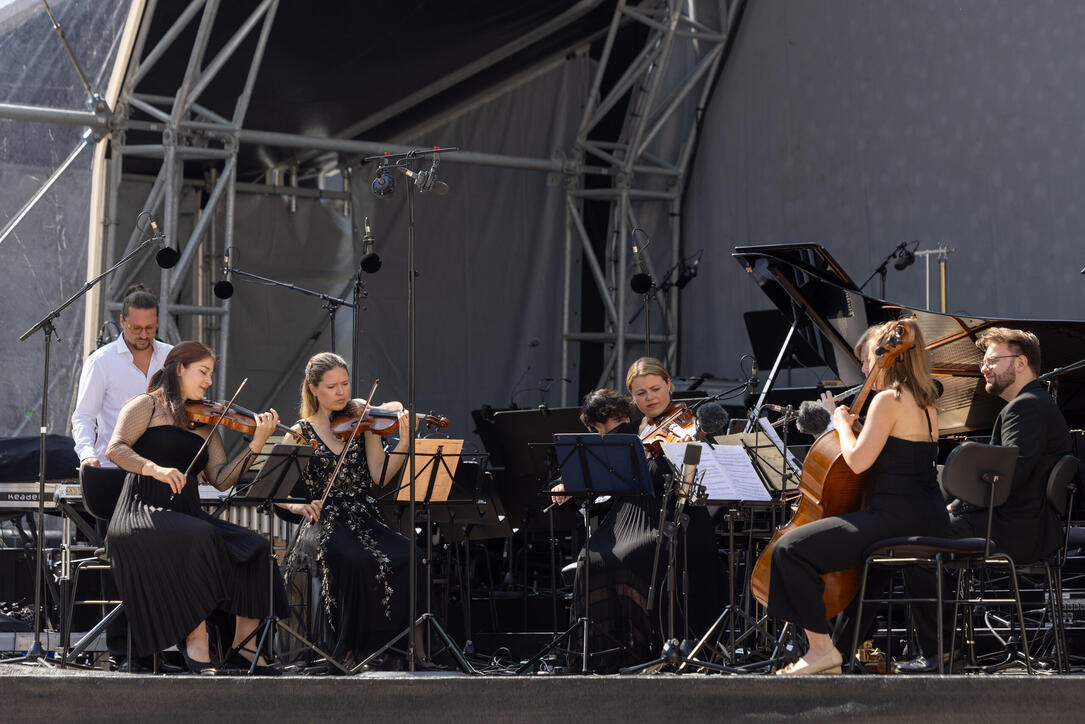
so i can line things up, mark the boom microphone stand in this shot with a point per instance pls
(329, 303)
(35, 653)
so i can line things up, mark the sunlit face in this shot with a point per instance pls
(1000, 368)
(196, 378)
(139, 328)
(651, 394)
(604, 427)
(332, 392)
(869, 357)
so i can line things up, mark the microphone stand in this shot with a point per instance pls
(399, 161)
(35, 653)
(881, 268)
(330, 303)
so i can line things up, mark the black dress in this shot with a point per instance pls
(905, 499)
(621, 552)
(173, 563)
(364, 564)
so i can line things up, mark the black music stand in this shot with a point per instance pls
(594, 465)
(432, 484)
(282, 468)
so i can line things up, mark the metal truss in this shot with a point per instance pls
(664, 91)
(662, 98)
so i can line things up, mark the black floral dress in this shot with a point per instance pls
(363, 563)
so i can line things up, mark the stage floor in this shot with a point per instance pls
(31, 694)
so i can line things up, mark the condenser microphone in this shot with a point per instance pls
(167, 257)
(371, 261)
(712, 419)
(688, 474)
(813, 418)
(640, 282)
(224, 289)
(778, 408)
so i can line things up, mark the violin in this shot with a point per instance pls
(678, 423)
(377, 420)
(206, 412)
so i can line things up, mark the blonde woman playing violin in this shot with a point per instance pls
(363, 562)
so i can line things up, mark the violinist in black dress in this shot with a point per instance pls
(363, 562)
(899, 445)
(174, 564)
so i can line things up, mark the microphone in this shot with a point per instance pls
(640, 282)
(905, 257)
(167, 257)
(383, 184)
(105, 336)
(688, 474)
(753, 377)
(712, 419)
(427, 180)
(689, 270)
(813, 418)
(371, 261)
(224, 289)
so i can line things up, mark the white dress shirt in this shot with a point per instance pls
(109, 379)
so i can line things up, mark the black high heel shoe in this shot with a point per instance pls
(194, 667)
(237, 660)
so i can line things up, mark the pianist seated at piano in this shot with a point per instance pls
(173, 563)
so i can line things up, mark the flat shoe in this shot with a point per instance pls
(830, 663)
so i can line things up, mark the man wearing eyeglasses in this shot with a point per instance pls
(115, 373)
(1025, 526)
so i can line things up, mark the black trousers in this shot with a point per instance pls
(836, 544)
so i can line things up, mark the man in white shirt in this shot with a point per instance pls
(116, 373)
(112, 375)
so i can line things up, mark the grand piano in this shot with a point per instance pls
(828, 313)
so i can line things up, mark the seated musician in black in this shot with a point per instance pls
(898, 445)
(1025, 526)
(620, 551)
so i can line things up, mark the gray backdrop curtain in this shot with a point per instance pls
(859, 124)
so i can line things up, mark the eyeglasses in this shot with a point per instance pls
(149, 329)
(989, 362)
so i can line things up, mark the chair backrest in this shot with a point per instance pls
(1058, 483)
(980, 474)
(101, 489)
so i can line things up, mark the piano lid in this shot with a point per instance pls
(805, 280)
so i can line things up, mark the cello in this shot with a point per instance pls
(829, 487)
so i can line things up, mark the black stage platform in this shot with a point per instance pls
(33, 695)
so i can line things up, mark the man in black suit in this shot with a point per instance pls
(1025, 526)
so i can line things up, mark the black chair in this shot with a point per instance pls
(980, 475)
(101, 488)
(1060, 496)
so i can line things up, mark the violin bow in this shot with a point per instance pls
(214, 427)
(353, 434)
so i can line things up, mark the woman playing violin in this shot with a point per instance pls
(173, 563)
(364, 563)
(650, 385)
(898, 444)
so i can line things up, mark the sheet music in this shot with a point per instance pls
(769, 430)
(727, 471)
